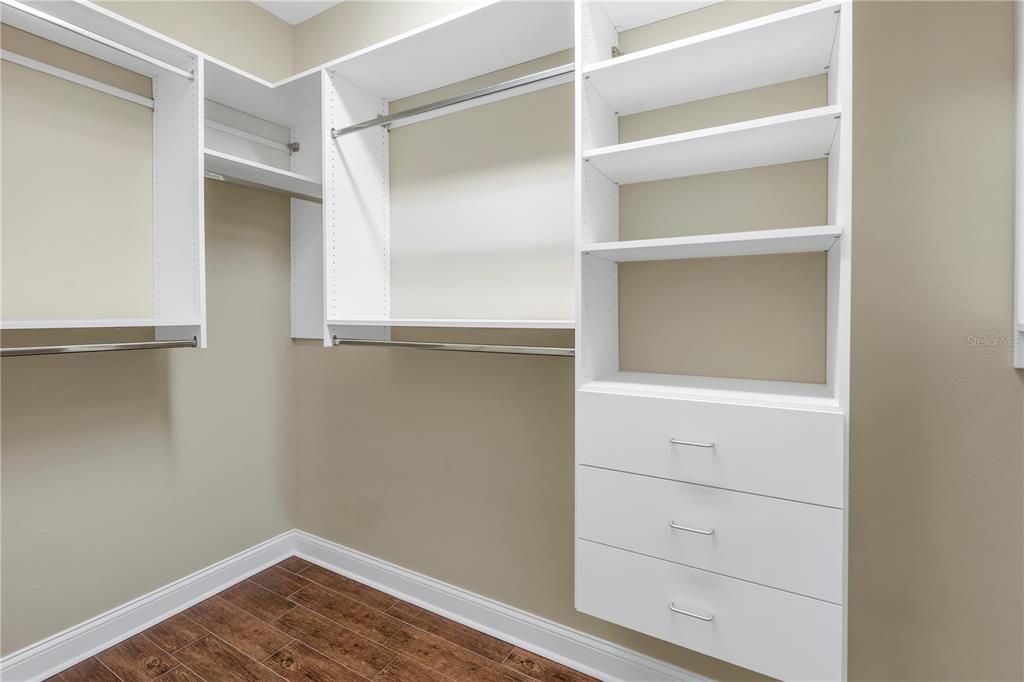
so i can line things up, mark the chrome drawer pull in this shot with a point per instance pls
(690, 529)
(691, 443)
(699, 616)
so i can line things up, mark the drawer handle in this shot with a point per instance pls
(699, 616)
(691, 529)
(691, 443)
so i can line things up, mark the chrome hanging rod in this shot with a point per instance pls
(97, 347)
(463, 347)
(520, 82)
(124, 49)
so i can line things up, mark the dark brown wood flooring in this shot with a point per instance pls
(298, 621)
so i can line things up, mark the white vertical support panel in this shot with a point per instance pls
(1018, 321)
(840, 264)
(307, 272)
(356, 220)
(179, 258)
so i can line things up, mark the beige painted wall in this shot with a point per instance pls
(125, 471)
(937, 447)
(240, 33)
(77, 203)
(394, 452)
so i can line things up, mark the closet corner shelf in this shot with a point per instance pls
(780, 47)
(627, 14)
(752, 243)
(458, 323)
(291, 102)
(95, 323)
(717, 389)
(254, 173)
(786, 138)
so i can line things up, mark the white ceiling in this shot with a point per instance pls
(296, 11)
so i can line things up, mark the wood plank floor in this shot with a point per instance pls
(298, 621)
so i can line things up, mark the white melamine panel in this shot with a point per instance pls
(462, 323)
(788, 453)
(627, 14)
(94, 324)
(98, 32)
(787, 545)
(357, 241)
(780, 47)
(178, 199)
(290, 103)
(470, 43)
(754, 243)
(263, 175)
(716, 389)
(798, 136)
(777, 633)
(307, 270)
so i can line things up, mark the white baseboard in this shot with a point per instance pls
(53, 654)
(546, 638)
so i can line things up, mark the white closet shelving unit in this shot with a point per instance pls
(178, 260)
(341, 274)
(261, 133)
(711, 512)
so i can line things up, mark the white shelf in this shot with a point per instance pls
(470, 43)
(753, 243)
(717, 389)
(468, 323)
(95, 31)
(236, 168)
(786, 138)
(780, 47)
(627, 14)
(291, 103)
(95, 324)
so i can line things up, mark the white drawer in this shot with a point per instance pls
(788, 545)
(773, 632)
(783, 452)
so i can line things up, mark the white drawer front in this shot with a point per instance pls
(788, 545)
(789, 453)
(773, 632)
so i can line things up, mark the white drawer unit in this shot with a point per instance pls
(788, 545)
(790, 453)
(774, 632)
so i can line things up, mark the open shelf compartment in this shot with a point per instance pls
(177, 255)
(780, 47)
(786, 138)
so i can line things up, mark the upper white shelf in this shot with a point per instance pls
(780, 47)
(752, 243)
(786, 138)
(717, 389)
(470, 43)
(455, 323)
(627, 14)
(95, 324)
(254, 173)
(93, 30)
(290, 103)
